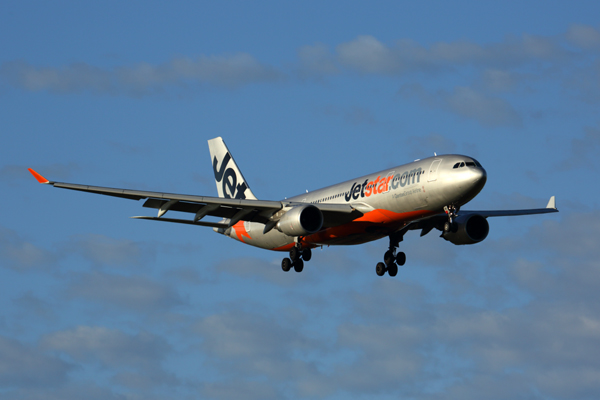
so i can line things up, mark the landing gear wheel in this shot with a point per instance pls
(392, 270)
(306, 254)
(380, 269)
(388, 258)
(400, 258)
(286, 264)
(294, 253)
(298, 265)
(449, 227)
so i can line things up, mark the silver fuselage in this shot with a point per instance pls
(389, 199)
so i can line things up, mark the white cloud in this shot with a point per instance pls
(385, 338)
(526, 56)
(468, 103)
(488, 111)
(74, 78)
(584, 36)
(248, 347)
(455, 53)
(584, 82)
(534, 342)
(137, 293)
(367, 55)
(255, 339)
(26, 366)
(583, 150)
(334, 332)
(34, 305)
(143, 353)
(109, 346)
(240, 390)
(22, 255)
(571, 271)
(88, 391)
(316, 60)
(107, 251)
(142, 79)
(499, 80)
(386, 356)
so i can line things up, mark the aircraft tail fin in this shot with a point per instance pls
(228, 177)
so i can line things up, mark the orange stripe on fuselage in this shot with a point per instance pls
(371, 226)
(287, 247)
(240, 231)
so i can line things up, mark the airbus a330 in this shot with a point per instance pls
(422, 195)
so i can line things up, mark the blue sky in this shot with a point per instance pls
(126, 94)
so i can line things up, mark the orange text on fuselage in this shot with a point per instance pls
(384, 185)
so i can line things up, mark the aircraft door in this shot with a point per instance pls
(433, 170)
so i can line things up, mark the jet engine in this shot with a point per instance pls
(469, 229)
(301, 220)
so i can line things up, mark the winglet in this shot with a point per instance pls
(552, 203)
(37, 176)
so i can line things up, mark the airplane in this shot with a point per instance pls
(422, 195)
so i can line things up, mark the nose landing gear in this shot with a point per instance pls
(450, 225)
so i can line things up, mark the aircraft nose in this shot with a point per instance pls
(478, 178)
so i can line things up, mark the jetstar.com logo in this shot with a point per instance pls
(228, 178)
(383, 185)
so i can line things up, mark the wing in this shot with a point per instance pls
(426, 225)
(234, 210)
(550, 208)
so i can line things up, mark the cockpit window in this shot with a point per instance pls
(470, 163)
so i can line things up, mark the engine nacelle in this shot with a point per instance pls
(470, 229)
(301, 221)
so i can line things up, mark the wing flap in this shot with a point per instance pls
(186, 221)
(182, 206)
(251, 213)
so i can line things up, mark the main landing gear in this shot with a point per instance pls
(390, 263)
(297, 257)
(391, 259)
